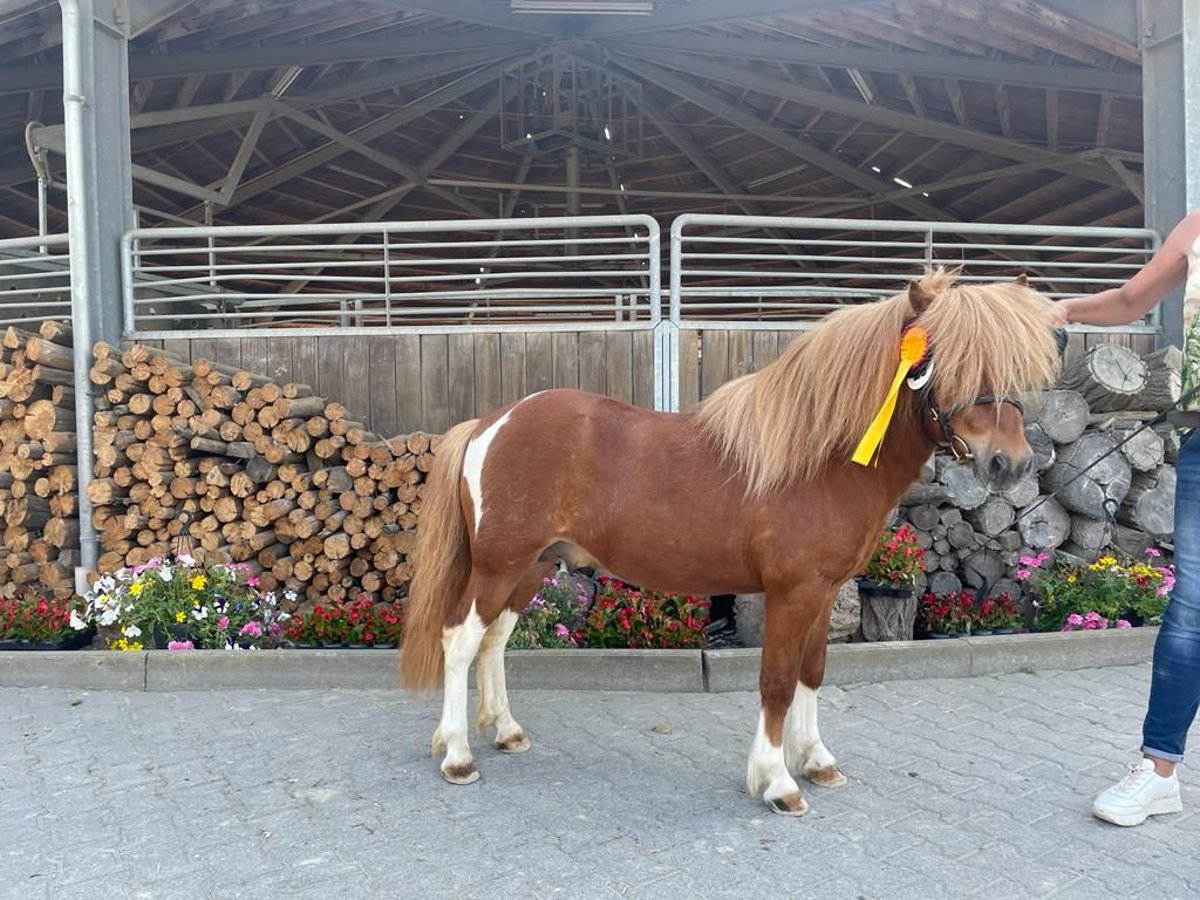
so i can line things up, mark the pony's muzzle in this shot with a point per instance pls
(1001, 471)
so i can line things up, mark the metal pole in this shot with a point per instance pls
(74, 98)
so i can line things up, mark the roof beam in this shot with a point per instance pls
(358, 139)
(708, 12)
(482, 13)
(880, 115)
(17, 79)
(1074, 78)
(795, 146)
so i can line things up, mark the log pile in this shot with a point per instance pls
(250, 471)
(38, 477)
(1124, 501)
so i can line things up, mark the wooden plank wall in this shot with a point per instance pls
(708, 358)
(403, 383)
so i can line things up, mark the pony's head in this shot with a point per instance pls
(989, 345)
(809, 409)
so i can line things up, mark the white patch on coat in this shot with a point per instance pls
(476, 453)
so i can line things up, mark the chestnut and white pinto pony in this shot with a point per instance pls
(752, 491)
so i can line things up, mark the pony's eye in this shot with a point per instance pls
(920, 378)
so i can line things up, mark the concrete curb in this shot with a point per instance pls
(662, 671)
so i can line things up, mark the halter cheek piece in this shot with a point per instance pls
(947, 438)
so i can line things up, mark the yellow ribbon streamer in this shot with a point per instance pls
(913, 345)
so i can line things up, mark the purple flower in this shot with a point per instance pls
(180, 645)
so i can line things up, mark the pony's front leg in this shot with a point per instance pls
(804, 750)
(459, 644)
(493, 693)
(766, 771)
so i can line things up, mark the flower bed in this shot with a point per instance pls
(42, 624)
(1099, 595)
(620, 616)
(360, 623)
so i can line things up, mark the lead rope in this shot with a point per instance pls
(1110, 505)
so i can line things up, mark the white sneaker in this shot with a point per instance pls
(1141, 793)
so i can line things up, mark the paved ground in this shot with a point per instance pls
(958, 788)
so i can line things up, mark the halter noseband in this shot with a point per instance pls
(950, 440)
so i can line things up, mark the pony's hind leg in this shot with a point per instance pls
(459, 644)
(489, 673)
(493, 694)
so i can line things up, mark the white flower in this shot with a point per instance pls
(166, 574)
(108, 616)
(105, 584)
(201, 613)
(124, 575)
(76, 622)
(290, 595)
(131, 631)
(187, 559)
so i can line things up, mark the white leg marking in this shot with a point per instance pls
(766, 774)
(473, 460)
(493, 694)
(459, 644)
(803, 747)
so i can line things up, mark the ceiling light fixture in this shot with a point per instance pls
(583, 7)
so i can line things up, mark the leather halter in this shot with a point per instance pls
(949, 439)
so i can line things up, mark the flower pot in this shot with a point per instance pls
(982, 632)
(307, 645)
(76, 640)
(942, 635)
(1003, 631)
(888, 611)
(389, 645)
(333, 645)
(359, 645)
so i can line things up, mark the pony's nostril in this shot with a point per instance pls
(997, 466)
(1025, 466)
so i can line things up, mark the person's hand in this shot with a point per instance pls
(1060, 313)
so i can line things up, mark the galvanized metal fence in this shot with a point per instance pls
(35, 279)
(460, 273)
(741, 285)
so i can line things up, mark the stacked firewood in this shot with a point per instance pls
(1123, 501)
(38, 475)
(242, 469)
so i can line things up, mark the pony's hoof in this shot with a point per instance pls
(826, 776)
(788, 804)
(465, 773)
(518, 743)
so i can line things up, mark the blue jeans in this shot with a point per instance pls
(1175, 684)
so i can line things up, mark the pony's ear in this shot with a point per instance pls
(919, 297)
(1022, 280)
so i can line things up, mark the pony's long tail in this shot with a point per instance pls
(442, 564)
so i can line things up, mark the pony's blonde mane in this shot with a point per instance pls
(792, 418)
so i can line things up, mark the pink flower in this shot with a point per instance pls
(1034, 561)
(1153, 551)
(180, 645)
(1022, 574)
(1075, 619)
(223, 622)
(252, 628)
(252, 581)
(1121, 623)
(561, 630)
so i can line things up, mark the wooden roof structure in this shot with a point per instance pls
(293, 111)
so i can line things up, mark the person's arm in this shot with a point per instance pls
(1121, 305)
